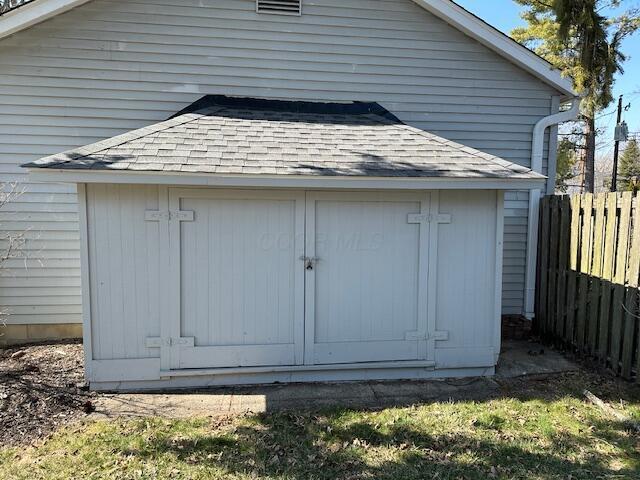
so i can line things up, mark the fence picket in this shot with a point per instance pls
(620, 272)
(589, 277)
(610, 236)
(595, 272)
(552, 311)
(572, 277)
(598, 234)
(543, 262)
(563, 264)
(631, 297)
(611, 215)
(584, 269)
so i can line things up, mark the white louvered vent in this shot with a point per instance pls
(280, 7)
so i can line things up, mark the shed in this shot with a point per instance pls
(250, 240)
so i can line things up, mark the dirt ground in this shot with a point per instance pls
(41, 388)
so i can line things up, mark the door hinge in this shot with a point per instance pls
(428, 218)
(182, 216)
(179, 215)
(183, 342)
(415, 336)
(158, 342)
(440, 335)
(155, 215)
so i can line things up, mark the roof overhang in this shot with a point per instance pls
(38, 11)
(500, 43)
(34, 12)
(281, 181)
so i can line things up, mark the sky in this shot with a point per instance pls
(505, 15)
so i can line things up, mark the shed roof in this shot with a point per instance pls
(224, 135)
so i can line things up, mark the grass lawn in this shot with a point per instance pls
(545, 431)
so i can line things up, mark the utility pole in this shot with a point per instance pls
(616, 148)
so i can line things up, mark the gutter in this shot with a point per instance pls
(537, 151)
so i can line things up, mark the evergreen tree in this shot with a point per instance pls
(566, 161)
(575, 37)
(629, 170)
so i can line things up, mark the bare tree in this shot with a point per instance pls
(11, 243)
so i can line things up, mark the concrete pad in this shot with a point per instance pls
(164, 405)
(308, 391)
(519, 358)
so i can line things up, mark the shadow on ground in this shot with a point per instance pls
(336, 444)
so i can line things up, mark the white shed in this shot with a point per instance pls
(252, 241)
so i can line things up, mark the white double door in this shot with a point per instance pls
(279, 278)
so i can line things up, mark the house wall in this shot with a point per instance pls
(113, 65)
(126, 266)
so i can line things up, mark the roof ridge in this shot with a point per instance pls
(321, 107)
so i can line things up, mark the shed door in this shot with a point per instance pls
(241, 297)
(365, 301)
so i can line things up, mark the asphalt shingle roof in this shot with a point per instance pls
(286, 138)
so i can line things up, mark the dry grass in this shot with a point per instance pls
(536, 430)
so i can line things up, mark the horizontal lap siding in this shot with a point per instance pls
(111, 66)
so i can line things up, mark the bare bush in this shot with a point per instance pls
(11, 243)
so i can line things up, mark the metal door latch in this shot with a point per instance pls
(309, 262)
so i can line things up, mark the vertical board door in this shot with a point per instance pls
(366, 291)
(239, 282)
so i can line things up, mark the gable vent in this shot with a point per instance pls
(281, 7)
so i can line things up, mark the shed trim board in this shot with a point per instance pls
(182, 380)
(180, 362)
(40, 10)
(499, 262)
(87, 341)
(277, 181)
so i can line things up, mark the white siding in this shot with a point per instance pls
(114, 65)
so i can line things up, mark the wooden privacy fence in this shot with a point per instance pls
(588, 277)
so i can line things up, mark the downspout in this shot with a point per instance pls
(537, 151)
